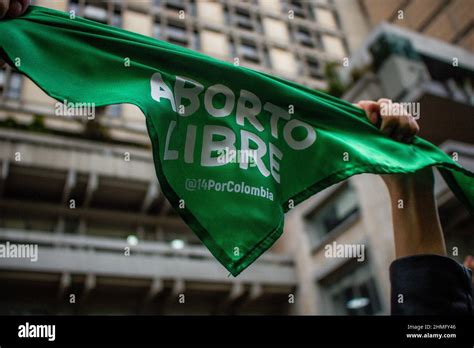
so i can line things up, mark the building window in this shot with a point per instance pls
(3, 81)
(10, 83)
(299, 8)
(249, 51)
(14, 90)
(319, 42)
(116, 19)
(74, 8)
(102, 12)
(267, 60)
(243, 20)
(226, 16)
(314, 68)
(304, 37)
(114, 110)
(258, 25)
(192, 8)
(196, 41)
(354, 292)
(176, 5)
(95, 13)
(177, 34)
(342, 207)
(157, 29)
(232, 49)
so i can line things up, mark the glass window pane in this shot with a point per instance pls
(226, 16)
(333, 213)
(176, 32)
(243, 20)
(192, 8)
(249, 52)
(157, 30)
(95, 13)
(304, 37)
(353, 292)
(266, 56)
(74, 8)
(114, 110)
(175, 5)
(232, 49)
(196, 41)
(116, 20)
(14, 88)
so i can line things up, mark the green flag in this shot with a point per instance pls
(234, 149)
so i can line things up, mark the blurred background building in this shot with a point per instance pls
(86, 192)
(447, 20)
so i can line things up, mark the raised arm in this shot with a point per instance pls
(424, 281)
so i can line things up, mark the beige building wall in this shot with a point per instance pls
(138, 22)
(131, 114)
(283, 61)
(375, 205)
(299, 244)
(270, 6)
(142, 5)
(142, 24)
(352, 22)
(31, 93)
(60, 5)
(64, 124)
(333, 45)
(210, 11)
(214, 43)
(326, 18)
(373, 229)
(323, 265)
(276, 30)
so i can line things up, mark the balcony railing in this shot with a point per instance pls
(99, 256)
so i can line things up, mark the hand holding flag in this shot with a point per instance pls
(13, 8)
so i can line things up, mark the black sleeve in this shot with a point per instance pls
(430, 285)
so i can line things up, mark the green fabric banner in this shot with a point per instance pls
(234, 149)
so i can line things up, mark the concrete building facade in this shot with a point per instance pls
(86, 192)
(110, 242)
(405, 66)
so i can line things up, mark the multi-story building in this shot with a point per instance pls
(86, 192)
(432, 69)
(435, 77)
